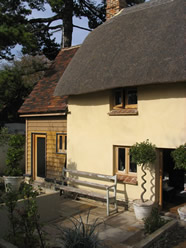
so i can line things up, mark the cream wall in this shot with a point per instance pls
(92, 133)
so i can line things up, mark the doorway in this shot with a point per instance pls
(172, 181)
(39, 156)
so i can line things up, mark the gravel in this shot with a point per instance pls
(172, 237)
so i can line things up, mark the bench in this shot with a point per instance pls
(73, 179)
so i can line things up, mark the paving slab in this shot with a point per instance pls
(115, 234)
(116, 230)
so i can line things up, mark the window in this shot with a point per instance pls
(61, 143)
(125, 98)
(123, 161)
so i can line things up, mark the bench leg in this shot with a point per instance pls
(108, 203)
(115, 202)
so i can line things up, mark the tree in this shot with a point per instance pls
(35, 34)
(16, 82)
(143, 154)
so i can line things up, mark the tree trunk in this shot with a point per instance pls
(144, 182)
(67, 23)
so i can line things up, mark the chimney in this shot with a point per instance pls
(114, 6)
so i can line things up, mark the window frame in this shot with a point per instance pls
(129, 106)
(127, 161)
(64, 143)
(124, 102)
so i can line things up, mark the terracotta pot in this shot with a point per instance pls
(14, 182)
(142, 209)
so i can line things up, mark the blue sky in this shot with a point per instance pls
(78, 35)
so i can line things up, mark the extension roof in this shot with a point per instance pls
(41, 99)
(143, 44)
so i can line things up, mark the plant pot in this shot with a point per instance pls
(142, 209)
(182, 213)
(15, 182)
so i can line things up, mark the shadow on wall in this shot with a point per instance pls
(72, 166)
(152, 182)
(125, 195)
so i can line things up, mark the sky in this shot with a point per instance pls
(78, 35)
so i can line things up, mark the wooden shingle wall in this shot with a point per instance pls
(49, 126)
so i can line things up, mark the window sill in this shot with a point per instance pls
(117, 112)
(127, 179)
(61, 153)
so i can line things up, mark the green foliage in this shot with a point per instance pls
(16, 83)
(82, 235)
(143, 153)
(35, 34)
(25, 231)
(14, 155)
(4, 136)
(153, 222)
(179, 157)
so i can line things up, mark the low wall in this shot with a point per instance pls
(48, 209)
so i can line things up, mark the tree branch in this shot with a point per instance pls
(42, 20)
(90, 8)
(87, 29)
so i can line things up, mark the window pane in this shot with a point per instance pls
(41, 157)
(65, 142)
(132, 166)
(121, 159)
(118, 97)
(132, 96)
(60, 142)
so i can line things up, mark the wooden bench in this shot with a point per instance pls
(73, 179)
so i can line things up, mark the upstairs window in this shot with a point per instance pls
(125, 98)
(61, 143)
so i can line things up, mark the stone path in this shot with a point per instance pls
(117, 230)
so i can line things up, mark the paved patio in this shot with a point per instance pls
(117, 230)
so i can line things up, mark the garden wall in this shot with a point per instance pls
(48, 209)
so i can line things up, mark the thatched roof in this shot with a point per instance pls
(142, 45)
(41, 99)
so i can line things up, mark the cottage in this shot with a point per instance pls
(127, 84)
(46, 123)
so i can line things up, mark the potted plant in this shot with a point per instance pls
(143, 154)
(179, 157)
(13, 173)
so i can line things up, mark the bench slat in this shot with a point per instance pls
(90, 174)
(86, 183)
(109, 188)
(84, 192)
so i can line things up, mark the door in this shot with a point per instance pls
(39, 156)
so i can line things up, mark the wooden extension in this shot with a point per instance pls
(73, 179)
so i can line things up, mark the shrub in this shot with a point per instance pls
(179, 157)
(14, 155)
(143, 153)
(153, 222)
(82, 235)
(25, 229)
